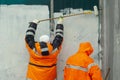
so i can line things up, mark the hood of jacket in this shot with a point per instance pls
(85, 47)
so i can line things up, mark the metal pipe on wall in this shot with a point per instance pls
(100, 32)
(52, 23)
(100, 47)
(102, 40)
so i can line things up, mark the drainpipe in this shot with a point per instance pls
(52, 23)
(104, 37)
(102, 54)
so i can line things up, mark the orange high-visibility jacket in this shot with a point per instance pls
(42, 67)
(80, 66)
(43, 56)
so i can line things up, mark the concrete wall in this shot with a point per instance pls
(116, 57)
(13, 24)
(108, 36)
(111, 21)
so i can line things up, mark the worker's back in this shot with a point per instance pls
(80, 66)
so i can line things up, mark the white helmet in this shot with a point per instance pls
(44, 38)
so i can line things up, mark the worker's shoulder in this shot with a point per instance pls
(89, 59)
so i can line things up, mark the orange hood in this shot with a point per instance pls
(86, 47)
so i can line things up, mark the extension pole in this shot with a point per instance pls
(87, 12)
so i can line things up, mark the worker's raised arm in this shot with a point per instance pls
(58, 34)
(30, 33)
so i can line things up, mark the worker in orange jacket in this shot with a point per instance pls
(43, 54)
(80, 66)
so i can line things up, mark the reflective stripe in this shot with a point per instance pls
(59, 34)
(54, 50)
(30, 33)
(44, 49)
(77, 67)
(91, 65)
(59, 30)
(30, 28)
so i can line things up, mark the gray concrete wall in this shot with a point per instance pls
(13, 24)
(108, 36)
(116, 57)
(111, 11)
